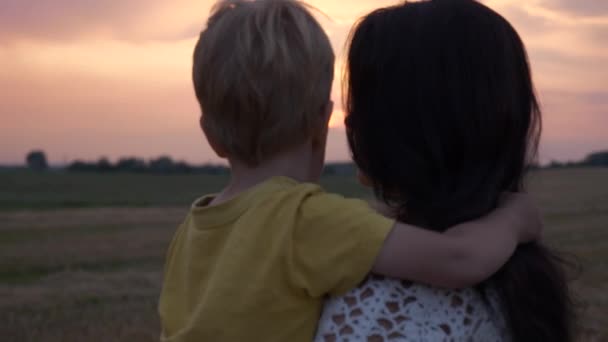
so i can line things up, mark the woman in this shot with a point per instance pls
(442, 119)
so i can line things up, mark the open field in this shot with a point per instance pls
(81, 255)
(59, 190)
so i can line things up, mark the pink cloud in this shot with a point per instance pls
(591, 8)
(60, 20)
(85, 78)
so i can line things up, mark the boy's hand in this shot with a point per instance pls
(521, 209)
(466, 254)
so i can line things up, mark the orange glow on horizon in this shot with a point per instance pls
(81, 84)
(337, 119)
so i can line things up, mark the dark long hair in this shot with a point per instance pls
(443, 118)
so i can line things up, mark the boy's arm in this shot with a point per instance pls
(465, 255)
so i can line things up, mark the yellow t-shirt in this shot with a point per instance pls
(256, 268)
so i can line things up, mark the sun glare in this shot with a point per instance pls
(130, 68)
(337, 119)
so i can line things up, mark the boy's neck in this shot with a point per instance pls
(297, 164)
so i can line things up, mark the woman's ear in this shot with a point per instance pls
(363, 179)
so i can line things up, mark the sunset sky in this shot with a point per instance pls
(83, 79)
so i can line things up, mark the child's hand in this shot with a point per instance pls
(525, 215)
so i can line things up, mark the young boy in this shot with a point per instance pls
(254, 262)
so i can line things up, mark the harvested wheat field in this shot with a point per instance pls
(93, 274)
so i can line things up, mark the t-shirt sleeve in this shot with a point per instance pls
(336, 243)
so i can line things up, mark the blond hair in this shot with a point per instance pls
(263, 72)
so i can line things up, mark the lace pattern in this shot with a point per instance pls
(390, 310)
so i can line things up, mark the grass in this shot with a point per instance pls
(93, 273)
(30, 190)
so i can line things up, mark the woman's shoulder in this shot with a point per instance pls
(386, 309)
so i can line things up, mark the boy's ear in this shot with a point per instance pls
(319, 138)
(329, 109)
(219, 150)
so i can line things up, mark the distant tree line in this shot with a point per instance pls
(36, 160)
(598, 159)
(160, 165)
(166, 165)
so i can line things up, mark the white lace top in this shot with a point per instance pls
(390, 310)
